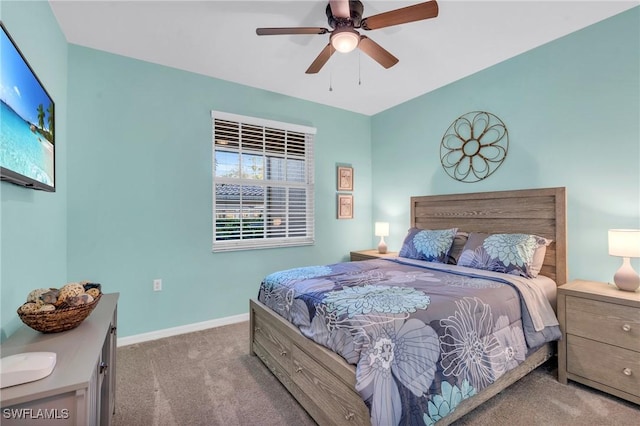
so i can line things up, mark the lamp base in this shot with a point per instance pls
(626, 278)
(382, 247)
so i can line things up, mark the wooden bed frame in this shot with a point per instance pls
(324, 384)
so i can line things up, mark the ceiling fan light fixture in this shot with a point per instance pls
(344, 40)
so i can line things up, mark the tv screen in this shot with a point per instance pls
(27, 122)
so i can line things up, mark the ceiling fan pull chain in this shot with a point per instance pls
(359, 70)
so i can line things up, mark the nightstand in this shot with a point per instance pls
(371, 254)
(600, 344)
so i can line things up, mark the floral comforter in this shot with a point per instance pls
(422, 339)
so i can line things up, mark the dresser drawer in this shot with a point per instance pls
(340, 407)
(605, 322)
(609, 365)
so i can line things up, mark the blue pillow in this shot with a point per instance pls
(507, 253)
(429, 245)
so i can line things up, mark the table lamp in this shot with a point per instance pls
(625, 243)
(382, 230)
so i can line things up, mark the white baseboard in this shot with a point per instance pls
(174, 331)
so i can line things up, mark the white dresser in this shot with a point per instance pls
(81, 389)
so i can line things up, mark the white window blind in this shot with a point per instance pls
(262, 183)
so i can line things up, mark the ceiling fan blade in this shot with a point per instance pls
(291, 30)
(377, 52)
(340, 8)
(322, 59)
(404, 15)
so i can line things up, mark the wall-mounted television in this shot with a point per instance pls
(27, 122)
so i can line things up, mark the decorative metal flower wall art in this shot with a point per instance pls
(474, 146)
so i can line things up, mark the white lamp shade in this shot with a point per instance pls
(345, 39)
(382, 229)
(624, 242)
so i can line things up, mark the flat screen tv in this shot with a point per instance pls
(27, 122)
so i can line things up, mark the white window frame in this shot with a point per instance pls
(308, 185)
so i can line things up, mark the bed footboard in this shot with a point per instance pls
(320, 380)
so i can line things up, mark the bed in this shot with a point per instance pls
(324, 383)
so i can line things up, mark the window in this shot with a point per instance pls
(262, 183)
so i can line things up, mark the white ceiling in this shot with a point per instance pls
(218, 39)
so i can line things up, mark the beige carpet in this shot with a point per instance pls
(209, 378)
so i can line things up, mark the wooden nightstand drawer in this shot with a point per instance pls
(371, 254)
(609, 365)
(605, 322)
(600, 344)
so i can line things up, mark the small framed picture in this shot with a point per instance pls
(345, 206)
(345, 178)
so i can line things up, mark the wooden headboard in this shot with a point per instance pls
(529, 211)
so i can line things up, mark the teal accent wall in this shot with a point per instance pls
(134, 167)
(572, 110)
(140, 190)
(33, 224)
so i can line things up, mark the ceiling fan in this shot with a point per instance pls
(344, 16)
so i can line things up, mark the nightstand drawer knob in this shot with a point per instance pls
(627, 371)
(626, 327)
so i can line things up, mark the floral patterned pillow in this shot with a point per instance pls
(508, 253)
(429, 245)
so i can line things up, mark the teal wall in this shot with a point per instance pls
(140, 191)
(33, 224)
(134, 167)
(572, 110)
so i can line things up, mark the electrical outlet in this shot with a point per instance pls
(157, 284)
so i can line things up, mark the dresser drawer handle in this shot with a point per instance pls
(627, 371)
(283, 353)
(626, 327)
(299, 369)
(349, 416)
